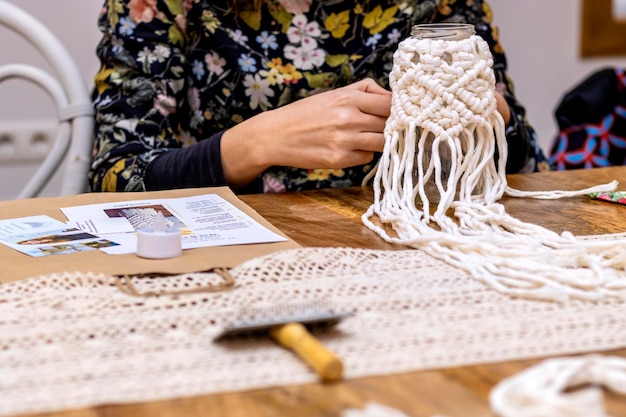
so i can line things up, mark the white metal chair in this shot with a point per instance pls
(72, 144)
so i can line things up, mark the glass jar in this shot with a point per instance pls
(445, 32)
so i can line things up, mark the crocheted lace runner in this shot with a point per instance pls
(76, 340)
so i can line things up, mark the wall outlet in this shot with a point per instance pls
(26, 141)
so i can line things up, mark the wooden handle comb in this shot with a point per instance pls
(295, 336)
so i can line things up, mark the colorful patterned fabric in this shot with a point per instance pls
(615, 196)
(175, 73)
(592, 123)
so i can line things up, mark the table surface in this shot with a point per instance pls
(332, 217)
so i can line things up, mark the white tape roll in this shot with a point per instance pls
(159, 244)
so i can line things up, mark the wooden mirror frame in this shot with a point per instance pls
(601, 34)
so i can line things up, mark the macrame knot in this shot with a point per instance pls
(443, 119)
(445, 151)
(447, 82)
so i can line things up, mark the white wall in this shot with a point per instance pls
(542, 42)
(541, 38)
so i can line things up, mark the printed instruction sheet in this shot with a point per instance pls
(44, 236)
(204, 221)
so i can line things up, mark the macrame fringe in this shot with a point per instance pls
(443, 103)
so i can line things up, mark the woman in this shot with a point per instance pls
(262, 95)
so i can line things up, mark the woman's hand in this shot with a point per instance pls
(334, 129)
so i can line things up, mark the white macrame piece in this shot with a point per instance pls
(75, 340)
(443, 91)
(541, 391)
(373, 409)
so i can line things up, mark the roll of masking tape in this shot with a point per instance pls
(159, 242)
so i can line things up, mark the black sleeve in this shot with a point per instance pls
(199, 165)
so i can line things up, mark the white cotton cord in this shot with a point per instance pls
(540, 391)
(551, 195)
(373, 409)
(437, 183)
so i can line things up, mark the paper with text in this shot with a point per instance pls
(44, 236)
(205, 220)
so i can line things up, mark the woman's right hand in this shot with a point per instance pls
(334, 129)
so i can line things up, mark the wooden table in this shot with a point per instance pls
(332, 218)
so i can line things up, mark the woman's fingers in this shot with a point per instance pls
(372, 98)
(370, 141)
(376, 104)
(369, 86)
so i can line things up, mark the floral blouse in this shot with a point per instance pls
(176, 73)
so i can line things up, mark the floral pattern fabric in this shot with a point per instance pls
(178, 72)
(614, 196)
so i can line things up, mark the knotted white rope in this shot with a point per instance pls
(445, 146)
(558, 387)
(542, 390)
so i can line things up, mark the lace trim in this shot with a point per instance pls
(76, 340)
